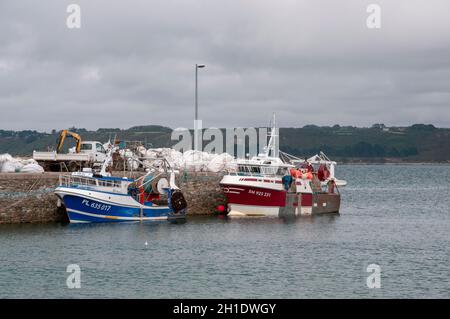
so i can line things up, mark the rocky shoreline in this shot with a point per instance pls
(29, 198)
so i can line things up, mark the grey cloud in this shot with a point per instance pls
(132, 63)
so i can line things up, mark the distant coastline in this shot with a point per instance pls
(418, 143)
(390, 163)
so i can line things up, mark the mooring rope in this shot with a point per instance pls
(28, 192)
(21, 194)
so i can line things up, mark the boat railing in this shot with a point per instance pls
(85, 181)
(257, 170)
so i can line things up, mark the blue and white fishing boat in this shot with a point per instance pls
(89, 197)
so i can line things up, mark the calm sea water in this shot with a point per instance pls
(395, 216)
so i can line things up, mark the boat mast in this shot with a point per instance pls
(272, 150)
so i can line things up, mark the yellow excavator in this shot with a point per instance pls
(62, 138)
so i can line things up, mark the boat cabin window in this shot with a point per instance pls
(249, 169)
(86, 147)
(100, 148)
(108, 183)
(255, 169)
(83, 181)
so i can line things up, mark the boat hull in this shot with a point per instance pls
(250, 196)
(239, 210)
(87, 206)
(321, 203)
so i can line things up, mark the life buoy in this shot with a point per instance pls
(293, 172)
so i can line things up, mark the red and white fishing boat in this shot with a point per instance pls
(267, 185)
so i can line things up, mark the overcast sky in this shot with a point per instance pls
(312, 62)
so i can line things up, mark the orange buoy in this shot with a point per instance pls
(293, 172)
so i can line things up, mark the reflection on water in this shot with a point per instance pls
(400, 223)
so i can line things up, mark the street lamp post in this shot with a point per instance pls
(197, 66)
(196, 122)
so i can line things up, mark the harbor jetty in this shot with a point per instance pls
(30, 198)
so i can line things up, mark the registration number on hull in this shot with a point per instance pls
(259, 193)
(99, 206)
